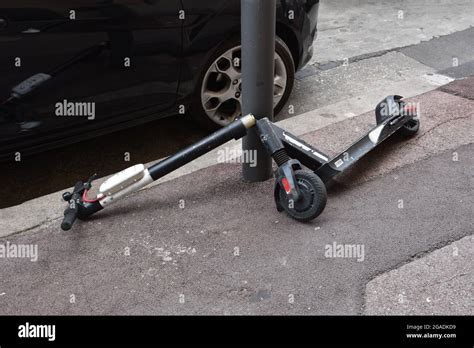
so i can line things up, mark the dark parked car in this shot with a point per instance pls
(90, 67)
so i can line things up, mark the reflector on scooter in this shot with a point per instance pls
(286, 185)
(123, 179)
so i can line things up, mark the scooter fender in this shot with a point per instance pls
(286, 172)
(276, 193)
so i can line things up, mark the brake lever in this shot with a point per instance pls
(79, 188)
(88, 183)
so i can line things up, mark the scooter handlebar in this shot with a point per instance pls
(71, 212)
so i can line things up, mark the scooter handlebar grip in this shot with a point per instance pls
(70, 214)
(69, 218)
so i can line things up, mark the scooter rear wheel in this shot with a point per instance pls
(313, 197)
(410, 129)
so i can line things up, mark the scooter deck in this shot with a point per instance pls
(325, 167)
(362, 147)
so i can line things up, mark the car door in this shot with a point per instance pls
(109, 60)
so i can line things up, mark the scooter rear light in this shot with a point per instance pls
(410, 110)
(286, 186)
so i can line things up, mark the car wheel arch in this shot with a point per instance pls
(285, 33)
(290, 39)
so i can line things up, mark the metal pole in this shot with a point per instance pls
(258, 60)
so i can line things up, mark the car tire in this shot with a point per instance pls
(218, 78)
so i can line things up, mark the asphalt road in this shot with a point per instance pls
(232, 253)
(227, 250)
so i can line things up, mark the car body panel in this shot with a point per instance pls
(43, 36)
(165, 46)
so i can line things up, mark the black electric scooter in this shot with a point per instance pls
(298, 191)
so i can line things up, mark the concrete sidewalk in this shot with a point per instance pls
(441, 282)
(351, 28)
(227, 250)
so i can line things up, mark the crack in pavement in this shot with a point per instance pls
(443, 123)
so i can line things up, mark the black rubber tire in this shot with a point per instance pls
(410, 129)
(197, 112)
(314, 197)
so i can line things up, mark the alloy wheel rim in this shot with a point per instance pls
(221, 92)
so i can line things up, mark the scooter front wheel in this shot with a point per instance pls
(312, 200)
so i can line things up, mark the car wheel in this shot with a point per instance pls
(218, 97)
